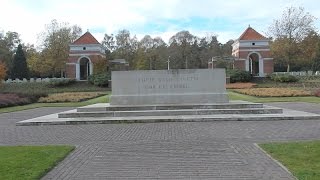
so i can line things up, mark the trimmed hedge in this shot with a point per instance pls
(237, 75)
(57, 82)
(283, 78)
(317, 93)
(100, 80)
(7, 100)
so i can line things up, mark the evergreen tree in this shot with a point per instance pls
(19, 67)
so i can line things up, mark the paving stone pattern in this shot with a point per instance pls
(194, 150)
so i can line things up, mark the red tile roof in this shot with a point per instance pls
(251, 34)
(86, 38)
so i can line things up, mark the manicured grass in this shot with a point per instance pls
(30, 162)
(101, 99)
(237, 96)
(301, 158)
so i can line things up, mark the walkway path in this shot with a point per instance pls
(203, 150)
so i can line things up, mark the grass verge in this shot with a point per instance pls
(101, 99)
(301, 158)
(30, 162)
(237, 96)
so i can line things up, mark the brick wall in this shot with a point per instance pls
(71, 71)
(268, 66)
(73, 59)
(240, 64)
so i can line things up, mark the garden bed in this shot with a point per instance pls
(273, 92)
(240, 85)
(70, 97)
(10, 99)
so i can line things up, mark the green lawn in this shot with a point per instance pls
(30, 162)
(237, 96)
(101, 99)
(301, 158)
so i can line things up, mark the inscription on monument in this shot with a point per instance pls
(166, 83)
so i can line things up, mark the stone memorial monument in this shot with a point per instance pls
(179, 95)
(176, 86)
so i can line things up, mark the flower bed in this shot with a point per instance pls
(273, 92)
(70, 97)
(7, 100)
(240, 85)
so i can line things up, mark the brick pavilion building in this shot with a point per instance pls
(252, 53)
(83, 53)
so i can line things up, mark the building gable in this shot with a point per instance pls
(86, 38)
(251, 34)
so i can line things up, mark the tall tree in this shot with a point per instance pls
(309, 48)
(183, 40)
(126, 47)
(56, 40)
(9, 41)
(19, 65)
(315, 61)
(3, 71)
(150, 53)
(204, 53)
(294, 25)
(110, 44)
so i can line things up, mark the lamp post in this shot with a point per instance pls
(168, 63)
(212, 63)
(186, 63)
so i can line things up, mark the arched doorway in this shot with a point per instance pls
(84, 64)
(254, 64)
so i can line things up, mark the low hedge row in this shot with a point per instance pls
(7, 100)
(284, 78)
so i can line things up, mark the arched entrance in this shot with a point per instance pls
(84, 70)
(254, 64)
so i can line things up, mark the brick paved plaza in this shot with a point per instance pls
(195, 150)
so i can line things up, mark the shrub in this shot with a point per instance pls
(7, 100)
(317, 93)
(57, 82)
(283, 78)
(99, 79)
(237, 75)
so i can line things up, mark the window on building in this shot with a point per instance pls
(253, 44)
(84, 48)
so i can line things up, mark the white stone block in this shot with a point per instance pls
(177, 86)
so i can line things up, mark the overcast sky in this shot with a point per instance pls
(225, 18)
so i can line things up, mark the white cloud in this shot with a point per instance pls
(28, 17)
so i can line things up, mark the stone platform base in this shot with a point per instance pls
(233, 111)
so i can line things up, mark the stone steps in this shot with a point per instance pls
(54, 120)
(106, 107)
(233, 111)
(175, 112)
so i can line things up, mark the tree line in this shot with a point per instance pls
(184, 50)
(295, 45)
